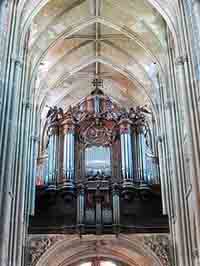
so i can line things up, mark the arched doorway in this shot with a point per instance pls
(106, 250)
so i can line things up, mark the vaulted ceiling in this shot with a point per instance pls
(74, 41)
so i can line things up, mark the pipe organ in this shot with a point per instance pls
(99, 161)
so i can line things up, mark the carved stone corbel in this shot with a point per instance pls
(38, 246)
(160, 245)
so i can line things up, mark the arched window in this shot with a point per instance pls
(100, 262)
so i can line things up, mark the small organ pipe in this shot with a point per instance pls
(80, 206)
(116, 206)
(123, 156)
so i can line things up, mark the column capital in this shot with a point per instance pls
(80, 189)
(140, 128)
(115, 189)
(125, 121)
(159, 138)
(53, 130)
(180, 60)
(68, 128)
(195, 253)
(26, 103)
(125, 125)
(168, 104)
(17, 60)
(35, 138)
(194, 2)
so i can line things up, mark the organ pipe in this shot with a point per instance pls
(140, 156)
(68, 155)
(96, 104)
(80, 206)
(116, 206)
(96, 119)
(51, 178)
(126, 150)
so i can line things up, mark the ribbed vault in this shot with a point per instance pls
(73, 42)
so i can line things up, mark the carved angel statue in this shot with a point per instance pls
(50, 111)
(54, 114)
(60, 113)
(142, 109)
(123, 114)
(132, 113)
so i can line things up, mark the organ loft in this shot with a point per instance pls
(98, 170)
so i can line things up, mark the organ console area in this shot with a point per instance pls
(99, 172)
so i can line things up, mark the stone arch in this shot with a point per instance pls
(132, 250)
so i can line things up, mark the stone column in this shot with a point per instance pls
(154, 144)
(4, 7)
(126, 151)
(189, 90)
(32, 162)
(196, 12)
(180, 221)
(12, 148)
(163, 169)
(192, 144)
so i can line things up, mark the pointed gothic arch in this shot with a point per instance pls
(130, 250)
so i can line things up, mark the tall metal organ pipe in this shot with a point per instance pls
(53, 151)
(140, 162)
(126, 150)
(68, 155)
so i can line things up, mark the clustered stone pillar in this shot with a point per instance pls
(196, 12)
(68, 155)
(189, 89)
(53, 157)
(126, 151)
